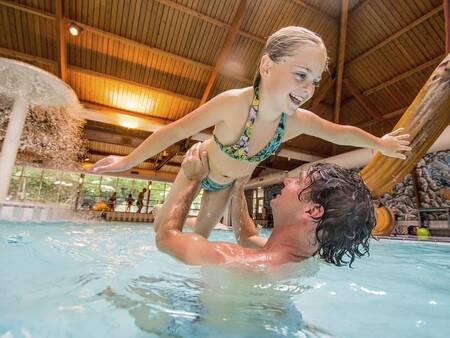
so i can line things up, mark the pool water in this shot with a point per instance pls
(109, 280)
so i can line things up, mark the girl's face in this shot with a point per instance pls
(292, 81)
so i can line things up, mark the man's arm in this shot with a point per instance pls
(243, 226)
(192, 248)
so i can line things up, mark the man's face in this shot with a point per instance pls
(288, 202)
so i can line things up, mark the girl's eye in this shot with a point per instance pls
(316, 83)
(301, 76)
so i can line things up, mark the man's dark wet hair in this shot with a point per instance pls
(344, 229)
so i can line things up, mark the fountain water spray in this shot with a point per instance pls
(54, 119)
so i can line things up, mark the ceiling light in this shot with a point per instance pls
(74, 29)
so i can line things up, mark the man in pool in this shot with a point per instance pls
(326, 211)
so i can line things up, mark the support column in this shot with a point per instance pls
(78, 193)
(11, 144)
(149, 189)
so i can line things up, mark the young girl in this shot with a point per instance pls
(250, 123)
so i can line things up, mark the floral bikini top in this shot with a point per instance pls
(239, 150)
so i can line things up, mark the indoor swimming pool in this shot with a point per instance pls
(109, 280)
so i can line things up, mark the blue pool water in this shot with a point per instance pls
(109, 280)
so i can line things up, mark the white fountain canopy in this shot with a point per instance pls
(28, 86)
(36, 85)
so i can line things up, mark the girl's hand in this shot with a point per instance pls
(110, 164)
(394, 143)
(195, 164)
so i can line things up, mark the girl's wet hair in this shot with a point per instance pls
(344, 230)
(284, 42)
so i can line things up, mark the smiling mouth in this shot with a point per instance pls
(295, 99)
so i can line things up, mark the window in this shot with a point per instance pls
(68, 186)
(159, 192)
(59, 187)
(195, 207)
(90, 193)
(258, 202)
(50, 183)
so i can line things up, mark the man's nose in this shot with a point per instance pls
(287, 180)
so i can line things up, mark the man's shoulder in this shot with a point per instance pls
(237, 256)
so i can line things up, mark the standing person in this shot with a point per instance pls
(251, 123)
(112, 201)
(130, 201)
(140, 200)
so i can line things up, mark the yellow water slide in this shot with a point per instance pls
(425, 119)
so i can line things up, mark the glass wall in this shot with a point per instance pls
(45, 186)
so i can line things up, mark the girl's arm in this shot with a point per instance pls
(205, 116)
(392, 144)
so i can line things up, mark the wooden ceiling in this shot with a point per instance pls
(163, 58)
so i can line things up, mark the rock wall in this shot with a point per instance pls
(433, 179)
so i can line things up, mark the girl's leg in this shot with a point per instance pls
(179, 185)
(212, 208)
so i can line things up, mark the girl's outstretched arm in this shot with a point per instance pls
(205, 116)
(392, 144)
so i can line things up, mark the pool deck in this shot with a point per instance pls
(416, 239)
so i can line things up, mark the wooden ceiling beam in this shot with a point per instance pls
(116, 37)
(316, 11)
(61, 48)
(27, 9)
(103, 154)
(357, 95)
(132, 83)
(361, 4)
(340, 60)
(98, 135)
(394, 36)
(446, 5)
(224, 52)
(141, 45)
(404, 75)
(209, 19)
(108, 109)
(27, 57)
(165, 161)
(387, 116)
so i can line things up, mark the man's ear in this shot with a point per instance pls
(265, 65)
(315, 211)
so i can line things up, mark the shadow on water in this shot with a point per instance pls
(219, 303)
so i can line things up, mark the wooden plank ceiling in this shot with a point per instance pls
(156, 57)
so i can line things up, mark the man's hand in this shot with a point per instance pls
(195, 164)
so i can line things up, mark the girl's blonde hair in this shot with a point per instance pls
(284, 42)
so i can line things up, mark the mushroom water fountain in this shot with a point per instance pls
(32, 101)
